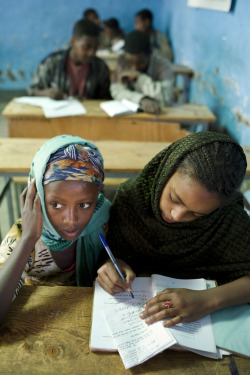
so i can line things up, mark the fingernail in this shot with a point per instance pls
(141, 315)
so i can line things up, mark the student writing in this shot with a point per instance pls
(183, 217)
(75, 71)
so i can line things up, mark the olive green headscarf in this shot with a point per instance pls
(215, 246)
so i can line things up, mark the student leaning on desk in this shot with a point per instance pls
(75, 71)
(142, 76)
(183, 217)
(63, 210)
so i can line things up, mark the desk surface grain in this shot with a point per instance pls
(16, 154)
(119, 156)
(179, 112)
(47, 331)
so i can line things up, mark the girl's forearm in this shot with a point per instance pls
(234, 293)
(11, 272)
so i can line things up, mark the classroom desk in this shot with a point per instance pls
(121, 158)
(28, 121)
(47, 331)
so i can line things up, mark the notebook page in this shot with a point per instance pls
(196, 335)
(101, 339)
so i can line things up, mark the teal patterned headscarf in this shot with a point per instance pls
(89, 237)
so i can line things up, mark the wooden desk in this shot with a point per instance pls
(47, 331)
(29, 121)
(120, 157)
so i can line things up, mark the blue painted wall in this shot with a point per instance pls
(215, 44)
(31, 29)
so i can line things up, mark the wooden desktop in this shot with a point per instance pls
(47, 331)
(28, 121)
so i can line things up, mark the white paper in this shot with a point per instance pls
(54, 108)
(70, 108)
(222, 5)
(197, 336)
(101, 339)
(135, 340)
(39, 101)
(119, 107)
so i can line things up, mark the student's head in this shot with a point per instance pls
(69, 177)
(205, 178)
(143, 20)
(84, 42)
(137, 50)
(111, 28)
(91, 15)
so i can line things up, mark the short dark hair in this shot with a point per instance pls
(145, 14)
(137, 42)
(112, 23)
(89, 12)
(85, 27)
(219, 166)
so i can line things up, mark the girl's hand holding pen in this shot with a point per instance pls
(31, 213)
(110, 280)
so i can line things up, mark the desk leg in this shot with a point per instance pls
(6, 190)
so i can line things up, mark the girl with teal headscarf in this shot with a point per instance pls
(56, 242)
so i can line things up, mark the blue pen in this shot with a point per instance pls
(112, 258)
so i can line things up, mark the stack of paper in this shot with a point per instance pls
(116, 324)
(54, 108)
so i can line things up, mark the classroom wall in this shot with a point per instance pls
(215, 44)
(31, 29)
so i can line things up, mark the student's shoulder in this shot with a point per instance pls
(100, 64)
(159, 35)
(54, 56)
(160, 61)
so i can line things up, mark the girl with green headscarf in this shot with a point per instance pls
(63, 210)
(183, 217)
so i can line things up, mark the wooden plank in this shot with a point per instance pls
(119, 156)
(176, 113)
(47, 331)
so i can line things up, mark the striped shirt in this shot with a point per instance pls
(53, 70)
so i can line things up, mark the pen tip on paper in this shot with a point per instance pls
(132, 295)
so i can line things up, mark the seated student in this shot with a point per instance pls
(183, 217)
(141, 76)
(92, 15)
(56, 242)
(75, 71)
(159, 41)
(114, 34)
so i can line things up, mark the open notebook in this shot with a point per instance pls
(119, 107)
(116, 324)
